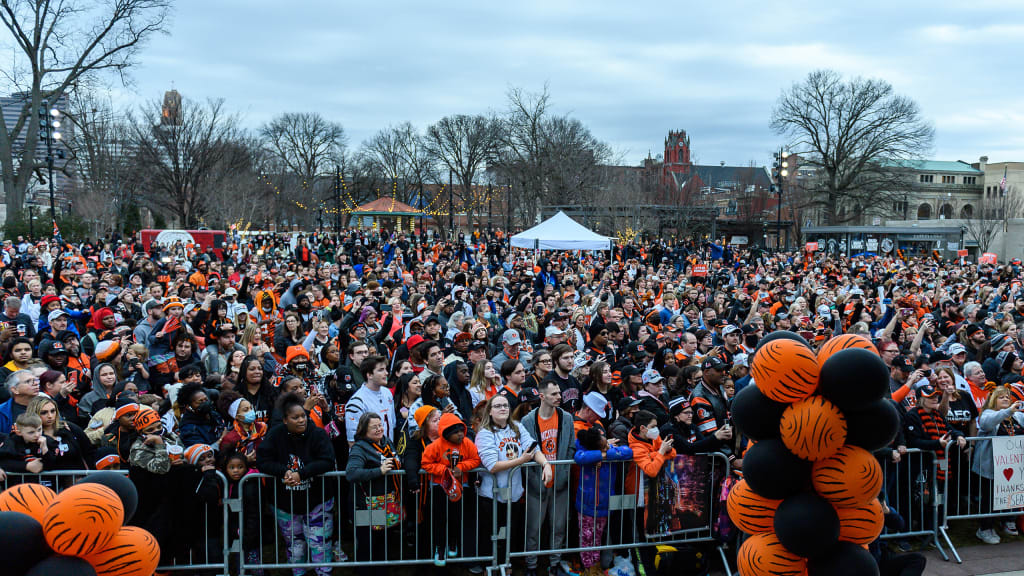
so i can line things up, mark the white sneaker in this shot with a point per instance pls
(987, 536)
(1010, 527)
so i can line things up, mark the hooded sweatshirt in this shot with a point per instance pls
(441, 454)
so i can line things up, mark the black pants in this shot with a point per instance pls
(902, 565)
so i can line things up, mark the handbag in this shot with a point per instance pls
(451, 485)
(390, 504)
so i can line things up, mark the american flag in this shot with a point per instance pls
(1002, 183)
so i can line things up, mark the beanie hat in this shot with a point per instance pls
(107, 458)
(294, 352)
(125, 410)
(421, 414)
(49, 298)
(107, 350)
(172, 302)
(194, 452)
(145, 418)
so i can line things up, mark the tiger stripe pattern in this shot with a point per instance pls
(785, 370)
(83, 519)
(764, 555)
(861, 524)
(29, 499)
(851, 477)
(813, 428)
(749, 512)
(843, 342)
(132, 552)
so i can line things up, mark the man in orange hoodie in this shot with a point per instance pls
(452, 453)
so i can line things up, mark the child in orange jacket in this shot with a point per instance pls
(453, 453)
(650, 453)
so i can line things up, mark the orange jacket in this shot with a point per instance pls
(435, 456)
(647, 458)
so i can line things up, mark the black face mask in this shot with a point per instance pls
(205, 408)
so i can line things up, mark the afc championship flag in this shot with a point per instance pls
(56, 233)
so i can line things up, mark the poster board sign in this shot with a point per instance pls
(700, 270)
(961, 253)
(988, 258)
(811, 247)
(1008, 472)
(679, 498)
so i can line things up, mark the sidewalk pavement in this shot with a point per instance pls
(1005, 559)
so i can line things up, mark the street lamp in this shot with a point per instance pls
(49, 123)
(780, 172)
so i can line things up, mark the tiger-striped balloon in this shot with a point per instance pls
(83, 519)
(31, 499)
(131, 552)
(764, 555)
(851, 477)
(842, 342)
(813, 428)
(749, 512)
(785, 370)
(861, 524)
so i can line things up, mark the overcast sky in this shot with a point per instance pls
(629, 70)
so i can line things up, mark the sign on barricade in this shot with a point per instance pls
(1008, 472)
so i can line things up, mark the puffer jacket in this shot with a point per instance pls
(598, 475)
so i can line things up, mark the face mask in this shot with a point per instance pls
(249, 417)
(652, 432)
(205, 407)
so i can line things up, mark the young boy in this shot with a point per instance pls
(25, 449)
(455, 453)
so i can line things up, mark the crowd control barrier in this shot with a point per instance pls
(912, 490)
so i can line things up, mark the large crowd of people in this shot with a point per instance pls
(467, 364)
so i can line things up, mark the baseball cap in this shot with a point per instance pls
(629, 370)
(529, 395)
(510, 337)
(928, 391)
(677, 405)
(974, 328)
(713, 363)
(730, 329)
(581, 359)
(957, 348)
(478, 345)
(902, 363)
(651, 376)
(553, 331)
(627, 403)
(53, 315)
(635, 348)
(740, 360)
(596, 402)
(231, 291)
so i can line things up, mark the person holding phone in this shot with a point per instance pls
(1000, 416)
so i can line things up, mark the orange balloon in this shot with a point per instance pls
(131, 552)
(861, 524)
(764, 555)
(842, 342)
(30, 499)
(785, 370)
(83, 519)
(852, 477)
(749, 512)
(813, 428)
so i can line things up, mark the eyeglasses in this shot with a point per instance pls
(544, 361)
(500, 406)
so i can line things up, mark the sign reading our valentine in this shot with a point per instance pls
(1008, 472)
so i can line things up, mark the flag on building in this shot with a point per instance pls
(56, 233)
(1002, 183)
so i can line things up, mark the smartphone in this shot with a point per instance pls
(926, 373)
(385, 307)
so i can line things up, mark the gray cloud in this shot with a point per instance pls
(631, 71)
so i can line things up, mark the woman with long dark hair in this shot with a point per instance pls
(255, 386)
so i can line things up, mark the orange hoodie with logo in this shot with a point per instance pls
(436, 456)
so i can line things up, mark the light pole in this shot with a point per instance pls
(780, 171)
(49, 122)
(451, 207)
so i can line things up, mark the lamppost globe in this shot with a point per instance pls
(58, 136)
(55, 124)
(54, 112)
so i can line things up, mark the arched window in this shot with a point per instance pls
(924, 212)
(946, 213)
(967, 212)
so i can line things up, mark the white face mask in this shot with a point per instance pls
(652, 432)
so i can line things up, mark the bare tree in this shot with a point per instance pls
(858, 132)
(421, 166)
(308, 146)
(464, 144)
(522, 154)
(993, 216)
(572, 157)
(184, 162)
(56, 44)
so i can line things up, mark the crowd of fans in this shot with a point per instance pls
(460, 362)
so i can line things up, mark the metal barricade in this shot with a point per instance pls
(56, 480)
(205, 546)
(968, 495)
(912, 491)
(553, 521)
(336, 524)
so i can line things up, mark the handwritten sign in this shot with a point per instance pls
(1007, 472)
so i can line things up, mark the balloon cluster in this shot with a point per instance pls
(79, 532)
(810, 484)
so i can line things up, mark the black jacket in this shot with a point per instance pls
(364, 475)
(310, 454)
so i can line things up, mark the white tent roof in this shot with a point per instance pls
(561, 233)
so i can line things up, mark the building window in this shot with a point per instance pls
(899, 208)
(970, 179)
(967, 212)
(949, 179)
(927, 178)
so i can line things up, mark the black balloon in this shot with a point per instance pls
(780, 334)
(62, 565)
(854, 378)
(756, 415)
(873, 427)
(772, 471)
(844, 559)
(806, 524)
(22, 544)
(120, 484)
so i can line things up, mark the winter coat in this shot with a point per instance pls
(597, 481)
(309, 453)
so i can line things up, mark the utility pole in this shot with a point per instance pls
(489, 209)
(451, 207)
(780, 170)
(337, 200)
(508, 207)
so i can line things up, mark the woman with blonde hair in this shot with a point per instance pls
(484, 383)
(71, 448)
(999, 417)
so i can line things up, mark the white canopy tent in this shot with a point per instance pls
(561, 233)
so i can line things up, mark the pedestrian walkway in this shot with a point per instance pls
(1006, 559)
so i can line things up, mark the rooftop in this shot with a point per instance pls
(957, 166)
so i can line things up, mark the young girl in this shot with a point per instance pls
(236, 466)
(453, 454)
(596, 487)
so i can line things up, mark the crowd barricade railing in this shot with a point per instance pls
(56, 480)
(205, 546)
(337, 524)
(968, 495)
(553, 522)
(912, 490)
